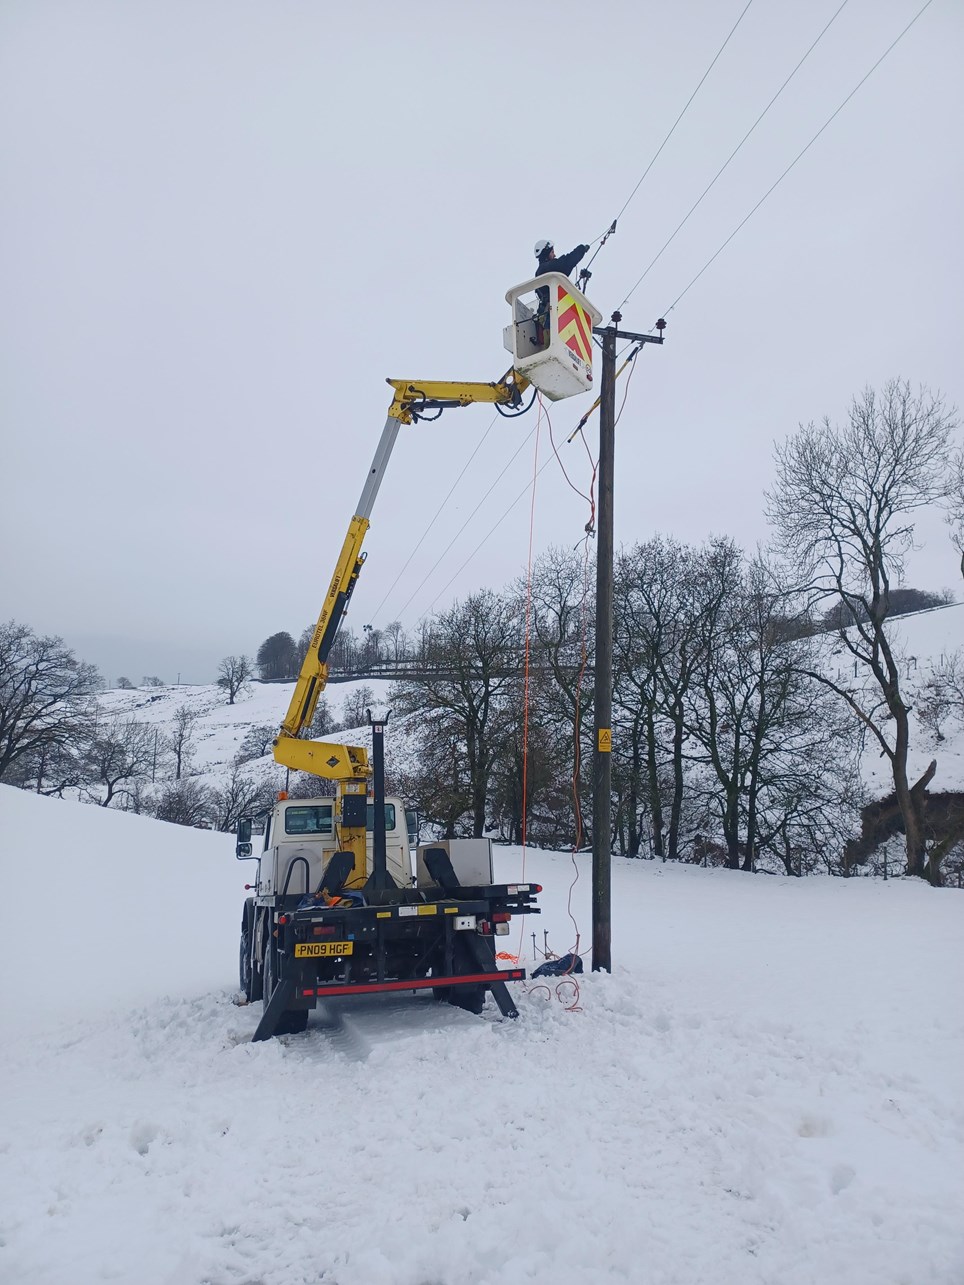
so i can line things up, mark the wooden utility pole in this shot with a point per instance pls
(602, 757)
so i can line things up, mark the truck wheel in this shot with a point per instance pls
(294, 1021)
(249, 979)
(470, 997)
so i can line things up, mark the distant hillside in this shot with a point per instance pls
(925, 638)
(220, 730)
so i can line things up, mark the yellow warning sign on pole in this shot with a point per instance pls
(605, 740)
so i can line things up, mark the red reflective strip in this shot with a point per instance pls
(307, 992)
(420, 983)
(571, 314)
(577, 341)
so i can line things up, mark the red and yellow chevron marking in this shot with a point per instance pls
(575, 327)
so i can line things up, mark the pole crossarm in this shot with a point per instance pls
(628, 334)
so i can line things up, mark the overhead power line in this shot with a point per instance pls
(492, 530)
(681, 115)
(682, 223)
(896, 41)
(438, 513)
(435, 564)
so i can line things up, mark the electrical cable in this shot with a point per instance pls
(521, 410)
(724, 166)
(797, 158)
(672, 131)
(492, 529)
(438, 514)
(466, 523)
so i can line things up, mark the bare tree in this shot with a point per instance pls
(234, 673)
(119, 753)
(354, 705)
(475, 654)
(45, 696)
(184, 803)
(438, 784)
(940, 696)
(843, 506)
(257, 742)
(955, 504)
(394, 634)
(125, 684)
(324, 722)
(668, 600)
(180, 737)
(152, 680)
(561, 692)
(240, 796)
(50, 768)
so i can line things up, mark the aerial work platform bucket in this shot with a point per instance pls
(550, 336)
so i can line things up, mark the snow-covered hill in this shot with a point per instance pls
(220, 727)
(921, 641)
(765, 1092)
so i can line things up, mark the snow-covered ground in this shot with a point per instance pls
(765, 1092)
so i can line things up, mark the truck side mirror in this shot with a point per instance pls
(242, 848)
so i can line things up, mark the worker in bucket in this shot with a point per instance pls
(545, 252)
(549, 261)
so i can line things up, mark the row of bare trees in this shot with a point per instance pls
(57, 738)
(733, 740)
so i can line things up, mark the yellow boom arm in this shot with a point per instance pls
(411, 400)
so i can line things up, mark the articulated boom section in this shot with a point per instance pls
(411, 400)
(414, 398)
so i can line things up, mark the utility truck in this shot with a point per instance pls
(339, 907)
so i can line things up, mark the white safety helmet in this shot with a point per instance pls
(542, 248)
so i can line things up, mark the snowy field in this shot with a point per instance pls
(767, 1091)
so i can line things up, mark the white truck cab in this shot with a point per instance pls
(300, 837)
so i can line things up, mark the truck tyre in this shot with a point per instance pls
(470, 997)
(249, 979)
(294, 1021)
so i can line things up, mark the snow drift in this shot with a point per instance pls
(765, 1091)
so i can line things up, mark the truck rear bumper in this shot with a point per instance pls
(415, 983)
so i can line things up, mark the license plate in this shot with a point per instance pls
(322, 949)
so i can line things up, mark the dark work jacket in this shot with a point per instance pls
(563, 263)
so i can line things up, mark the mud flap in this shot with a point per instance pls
(274, 1011)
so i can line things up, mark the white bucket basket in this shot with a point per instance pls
(550, 336)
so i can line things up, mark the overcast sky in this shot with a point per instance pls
(225, 224)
